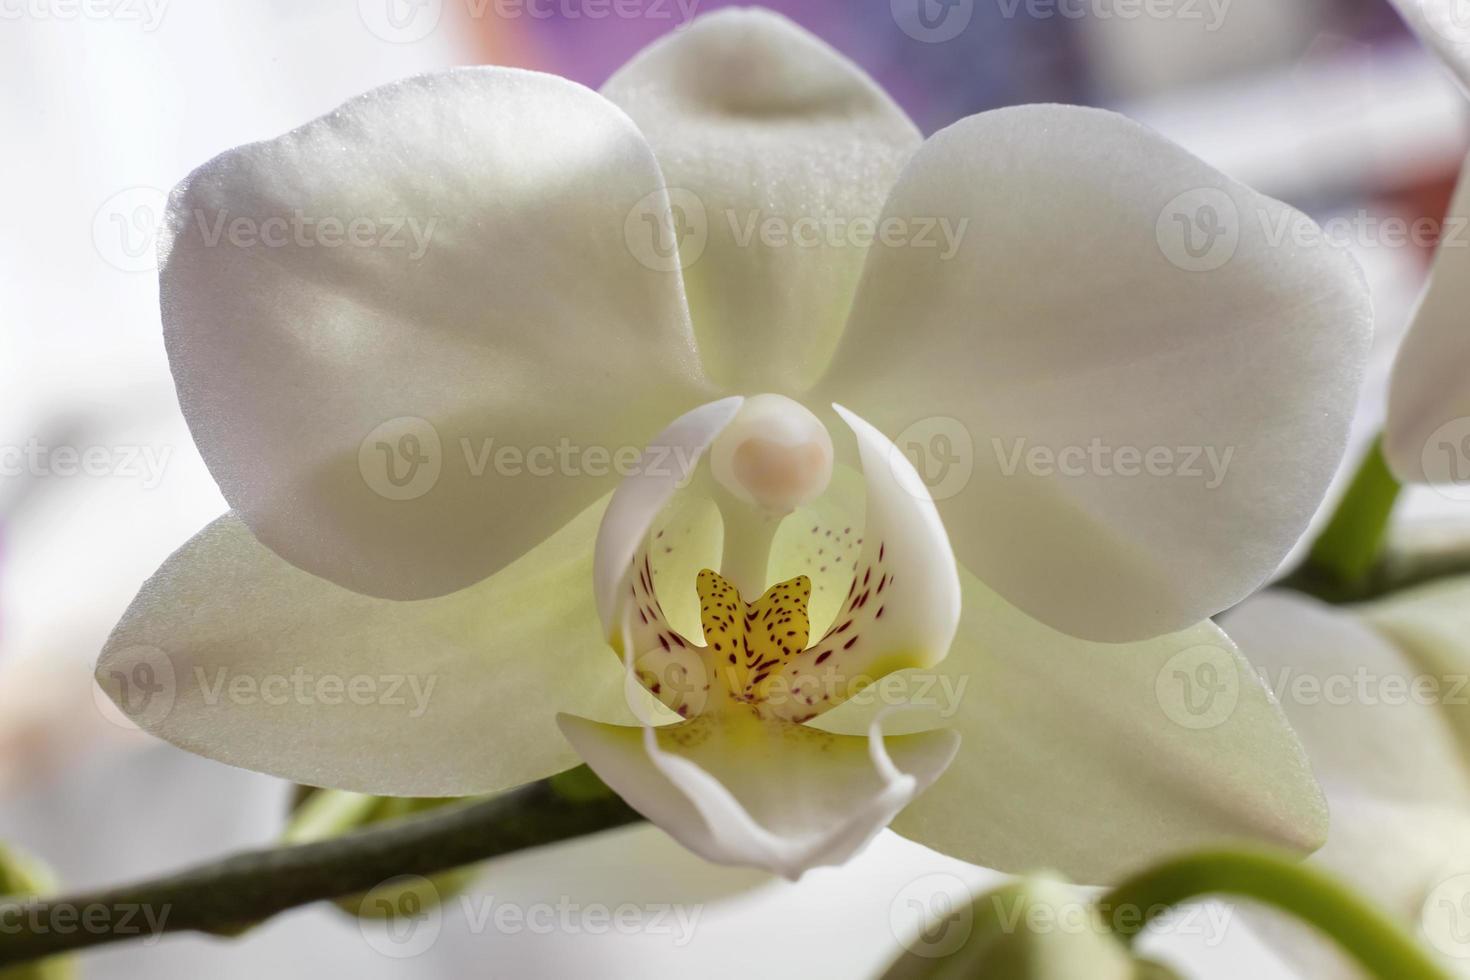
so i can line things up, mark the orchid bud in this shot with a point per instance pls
(23, 877)
(1032, 929)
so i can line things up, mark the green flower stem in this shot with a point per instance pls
(1283, 882)
(1346, 561)
(228, 896)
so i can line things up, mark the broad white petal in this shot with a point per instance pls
(774, 145)
(1431, 625)
(902, 603)
(409, 336)
(1096, 759)
(233, 654)
(1426, 438)
(1369, 717)
(736, 789)
(1443, 25)
(1411, 860)
(1044, 303)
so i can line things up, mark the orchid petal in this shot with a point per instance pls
(1096, 759)
(1366, 713)
(754, 120)
(738, 789)
(1381, 742)
(233, 654)
(1426, 438)
(1060, 310)
(354, 395)
(1431, 625)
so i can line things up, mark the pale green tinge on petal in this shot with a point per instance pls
(1426, 437)
(822, 540)
(1368, 715)
(410, 336)
(1035, 928)
(233, 654)
(1094, 759)
(1431, 625)
(741, 790)
(1138, 372)
(1444, 26)
(774, 145)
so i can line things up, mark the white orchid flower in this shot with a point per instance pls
(1427, 435)
(1378, 694)
(541, 316)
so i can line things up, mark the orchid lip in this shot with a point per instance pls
(755, 646)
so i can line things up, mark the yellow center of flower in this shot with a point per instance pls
(751, 642)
